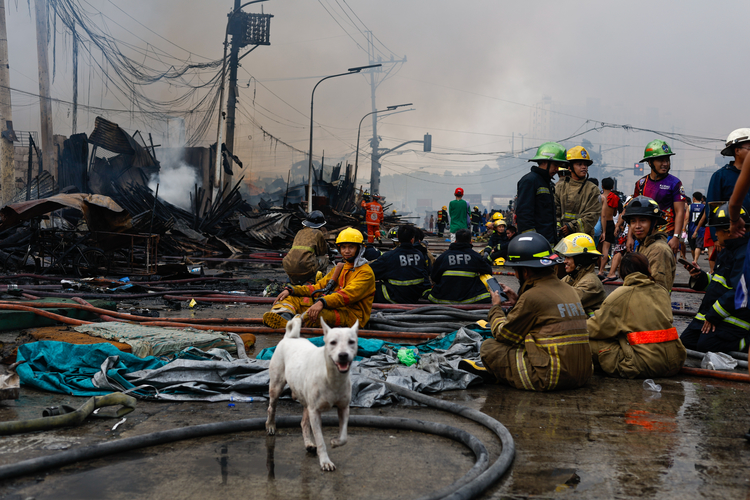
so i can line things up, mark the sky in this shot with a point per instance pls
(474, 71)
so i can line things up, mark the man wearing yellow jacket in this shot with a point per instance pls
(348, 301)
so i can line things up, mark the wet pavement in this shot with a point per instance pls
(610, 439)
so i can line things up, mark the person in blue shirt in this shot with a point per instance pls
(695, 233)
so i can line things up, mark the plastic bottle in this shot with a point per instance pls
(649, 385)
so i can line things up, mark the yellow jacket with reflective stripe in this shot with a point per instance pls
(355, 291)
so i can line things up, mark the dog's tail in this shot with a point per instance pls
(293, 327)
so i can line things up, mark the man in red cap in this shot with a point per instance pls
(458, 210)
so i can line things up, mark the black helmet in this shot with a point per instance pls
(315, 220)
(645, 207)
(718, 215)
(531, 250)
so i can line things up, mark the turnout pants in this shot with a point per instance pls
(720, 340)
(373, 231)
(333, 317)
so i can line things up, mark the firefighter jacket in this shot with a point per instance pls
(403, 274)
(660, 257)
(456, 275)
(498, 242)
(535, 208)
(374, 213)
(718, 306)
(542, 344)
(476, 217)
(442, 217)
(355, 290)
(577, 205)
(589, 288)
(632, 334)
(304, 259)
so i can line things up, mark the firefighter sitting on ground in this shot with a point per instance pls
(349, 301)
(581, 256)
(373, 218)
(309, 253)
(457, 274)
(402, 273)
(542, 343)
(497, 246)
(719, 326)
(442, 219)
(643, 216)
(632, 335)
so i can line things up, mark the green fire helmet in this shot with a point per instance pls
(656, 149)
(550, 151)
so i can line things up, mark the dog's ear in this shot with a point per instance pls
(356, 328)
(325, 327)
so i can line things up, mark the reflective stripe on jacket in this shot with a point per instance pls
(456, 276)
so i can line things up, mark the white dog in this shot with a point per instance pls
(318, 378)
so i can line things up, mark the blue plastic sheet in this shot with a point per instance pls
(69, 368)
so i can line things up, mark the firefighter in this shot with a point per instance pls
(476, 221)
(719, 325)
(497, 246)
(457, 274)
(362, 215)
(349, 301)
(535, 208)
(580, 254)
(402, 273)
(643, 216)
(666, 190)
(631, 334)
(373, 219)
(577, 201)
(442, 219)
(542, 343)
(309, 253)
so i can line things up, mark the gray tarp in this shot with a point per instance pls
(220, 380)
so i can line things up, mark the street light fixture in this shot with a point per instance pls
(350, 71)
(359, 129)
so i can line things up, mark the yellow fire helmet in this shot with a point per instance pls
(577, 244)
(499, 262)
(500, 222)
(489, 225)
(579, 153)
(497, 216)
(350, 235)
(445, 207)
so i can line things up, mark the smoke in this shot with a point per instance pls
(176, 179)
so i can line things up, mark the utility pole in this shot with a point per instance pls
(232, 94)
(75, 84)
(7, 171)
(375, 142)
(45, 104)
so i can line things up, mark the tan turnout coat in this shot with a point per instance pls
(640, 305)
(542, 344)
(660, 257)
(589, 288)
(578, 202)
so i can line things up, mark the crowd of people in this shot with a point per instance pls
(565, 240)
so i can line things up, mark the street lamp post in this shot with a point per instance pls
(359, 129)
(350, 71)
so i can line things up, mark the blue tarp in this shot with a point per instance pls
(70, 368)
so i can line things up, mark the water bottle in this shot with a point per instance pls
(649, 385)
